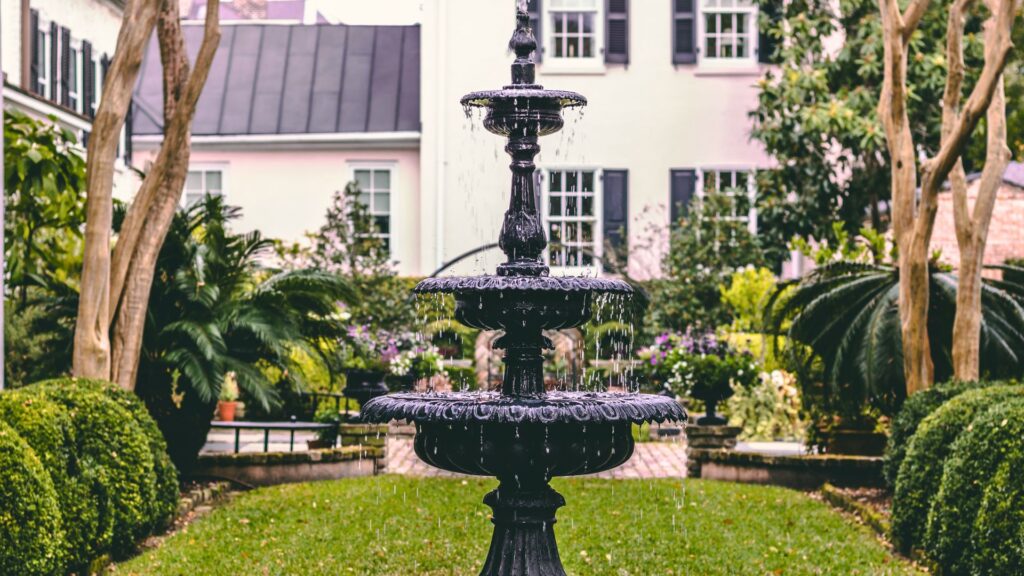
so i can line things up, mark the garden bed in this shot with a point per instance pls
(390, 526)
(806, 472)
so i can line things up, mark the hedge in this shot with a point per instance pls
(915, 409)
(31, 539)
(48, 429)
(166, 503)
(112, 448)
(993, 437)
(998, 533)
(921, 471)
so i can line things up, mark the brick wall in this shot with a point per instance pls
(1006, 233)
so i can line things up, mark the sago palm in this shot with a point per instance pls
(845, 318)
(215, 309)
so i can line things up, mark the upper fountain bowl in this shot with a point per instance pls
(525, 109)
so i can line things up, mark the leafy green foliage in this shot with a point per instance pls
(699, 366)
(846, 314)
(113, 449)
(215, 309)
(921, 471)
(49, 430)
(912, 412)
(44, 183)
(705, 249)
(438, 527)
(998, 536)
(769, 409)
(816, 116)
(349, 244)
(30, 521)
(746, 295)
(974, 460)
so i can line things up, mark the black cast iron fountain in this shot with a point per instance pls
(524, 435)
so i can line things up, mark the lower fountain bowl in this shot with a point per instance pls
(527, 453)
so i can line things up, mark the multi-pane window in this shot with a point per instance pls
(730, 30)
(201, 183)
(42, 58)
(375, 194)
(573, 28)
(74, 78)
(739, 186)
(571, 214)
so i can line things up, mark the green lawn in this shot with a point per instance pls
(401, 526)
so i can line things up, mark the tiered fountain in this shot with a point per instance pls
(524, 435)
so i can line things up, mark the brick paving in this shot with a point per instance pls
(650, 460)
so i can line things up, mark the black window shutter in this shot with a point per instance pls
(684, 32)
(684, 185)
(533, 7)
(615, 215)
(65, 66)
(33, 82)
(54, 62)
(88, 80)
(616, 49)
(770, 15)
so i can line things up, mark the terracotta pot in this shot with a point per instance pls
(226, 410)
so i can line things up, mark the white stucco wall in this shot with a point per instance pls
(648, 117)
(286, 193)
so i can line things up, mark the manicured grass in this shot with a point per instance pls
(397, 526)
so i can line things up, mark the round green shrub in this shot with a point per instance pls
(111, 448)
(921, 470)
(998, 537)
(30, 521)
(48, 429)
(974, 459)
(167, 488)
(915, 409)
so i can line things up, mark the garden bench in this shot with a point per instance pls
(267, 427)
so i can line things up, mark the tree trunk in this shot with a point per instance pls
(913, 231)
(152, 213)
(91, 357)
(972, 237)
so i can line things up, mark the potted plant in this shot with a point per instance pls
(700, 366)
(228, 399)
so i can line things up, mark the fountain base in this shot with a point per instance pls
(524, 535)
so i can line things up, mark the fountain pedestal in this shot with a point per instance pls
(524, 535)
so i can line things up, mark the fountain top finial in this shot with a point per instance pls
(523, 43)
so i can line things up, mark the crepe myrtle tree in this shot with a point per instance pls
(115, 286)
(916, 182)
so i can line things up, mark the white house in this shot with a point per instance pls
(55, 56)
(669, 82)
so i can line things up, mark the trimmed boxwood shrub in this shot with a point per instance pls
(998, 537)
(30, 521)
(921, 470)
(112, 448)
(915, 409)
(166, 503)
(974, 459)
(48, 429)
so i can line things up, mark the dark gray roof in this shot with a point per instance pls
(1014, 175)
(274, 79)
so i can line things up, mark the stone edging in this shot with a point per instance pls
(343, 454)
(876, 521)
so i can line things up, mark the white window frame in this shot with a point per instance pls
(75, 90)
(204, 168)
(44, 71)
(391, 166)
(747, 62)
(751, 217)
(566, 65)
(595, 268)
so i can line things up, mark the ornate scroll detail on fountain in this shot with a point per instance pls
(524, 435)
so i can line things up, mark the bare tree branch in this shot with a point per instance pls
(912, 17)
